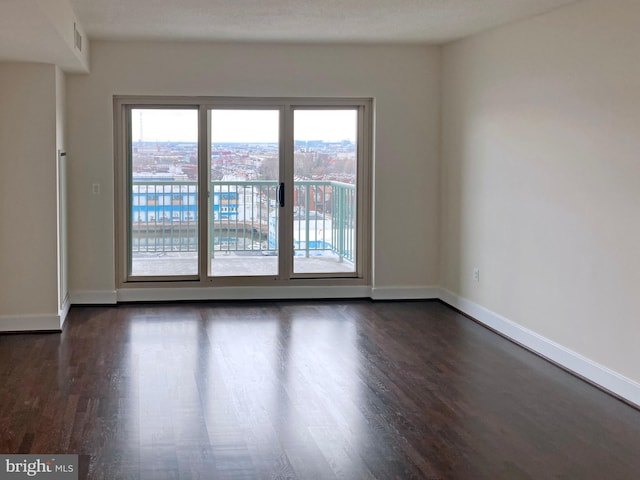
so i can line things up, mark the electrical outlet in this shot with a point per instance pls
(476, 274)
(96, 188)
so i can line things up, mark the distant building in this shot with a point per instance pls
(160, 200)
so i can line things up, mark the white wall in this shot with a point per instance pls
(403, 81)
(28, 265)
(541, 177)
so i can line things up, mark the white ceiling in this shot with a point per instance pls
(353, 21)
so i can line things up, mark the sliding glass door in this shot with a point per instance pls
(244, 182)
(163, 193)
(240, 192)
(325, 205)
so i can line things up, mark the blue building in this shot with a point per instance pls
(177, 202)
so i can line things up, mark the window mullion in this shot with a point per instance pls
(204, 185)
(286, 176)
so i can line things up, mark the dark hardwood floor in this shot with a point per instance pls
(304, 390)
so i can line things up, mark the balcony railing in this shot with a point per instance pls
(243, 217)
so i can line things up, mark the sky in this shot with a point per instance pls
(246, 126)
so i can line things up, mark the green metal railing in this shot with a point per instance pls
(244, 217)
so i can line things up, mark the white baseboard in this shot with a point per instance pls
(405, 293)
(276, 293)
(64, 310)
(94, 297)
(240, 293)
(572, 361)
(36, 323)
(108, 297)
(30, 323)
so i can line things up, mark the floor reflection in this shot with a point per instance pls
(326, 391)
(248, 385)
(163, 407)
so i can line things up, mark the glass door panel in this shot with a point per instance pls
(325, 181)
(243, 187)
(163, 193)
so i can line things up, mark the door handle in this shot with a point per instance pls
(281, 194)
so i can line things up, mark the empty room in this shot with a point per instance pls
(319, 240)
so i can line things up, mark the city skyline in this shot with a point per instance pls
(242, 126)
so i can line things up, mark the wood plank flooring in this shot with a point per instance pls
(304, 390)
